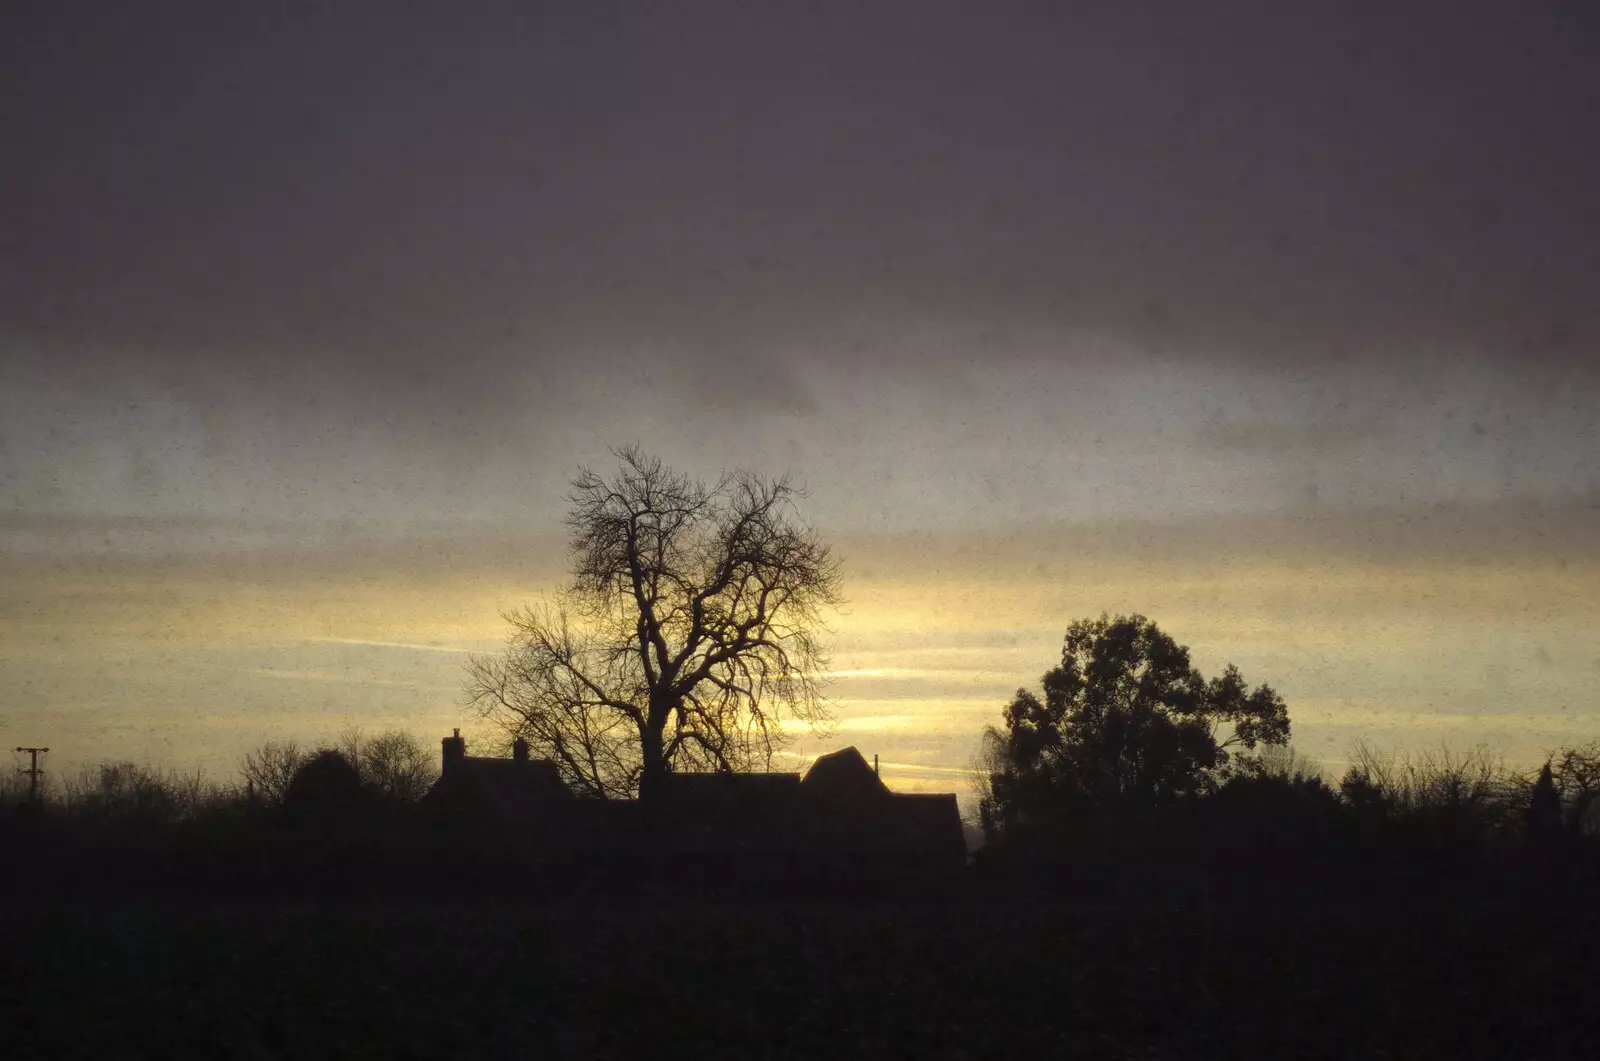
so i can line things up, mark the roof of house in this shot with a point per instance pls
(841, 805)
(843, 774)
(509, 789)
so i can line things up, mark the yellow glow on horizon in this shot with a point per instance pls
(213, 658)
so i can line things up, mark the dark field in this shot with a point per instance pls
(680, 979)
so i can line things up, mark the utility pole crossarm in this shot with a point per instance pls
(32, 771)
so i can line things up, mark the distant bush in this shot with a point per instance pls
(393, 765)
(13, 789)
(1438, 825)
(1440, 805)
(324, 782)
(127, 794)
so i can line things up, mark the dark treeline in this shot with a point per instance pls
(1132, 776)
(349, 821)
(1175, 828)
(343, 818)
(1432, 826)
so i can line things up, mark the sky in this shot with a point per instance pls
(1276, 326)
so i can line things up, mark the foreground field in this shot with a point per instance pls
(680, 979)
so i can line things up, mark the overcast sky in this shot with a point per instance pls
(352, 289)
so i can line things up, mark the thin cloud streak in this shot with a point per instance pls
(396, 644)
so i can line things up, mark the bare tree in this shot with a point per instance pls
(1281, 761)
(128, 792)
(1576, 773)
(16, 787)
(1470, 790)
(394, 764)
(689, 630)
(269, 769)
(988, 762)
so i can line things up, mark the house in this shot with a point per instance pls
(838, 822)
(511, 792)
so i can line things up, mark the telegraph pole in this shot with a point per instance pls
(33, 772)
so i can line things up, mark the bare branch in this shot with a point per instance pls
(690, 628)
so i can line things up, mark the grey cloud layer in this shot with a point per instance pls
(283, 188)
(298, 267)
(1084, 430)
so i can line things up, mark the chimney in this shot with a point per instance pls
(455, 750)
(519, 750)
(874, 764)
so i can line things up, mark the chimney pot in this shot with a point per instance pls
(519, 750)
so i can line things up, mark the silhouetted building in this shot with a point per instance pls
(839, 823)
(495, 791)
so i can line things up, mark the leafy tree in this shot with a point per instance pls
(689, 628)
(1125, 723)
(1273, 813)
(325, 781)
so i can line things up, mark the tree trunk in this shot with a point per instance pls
(655, 767)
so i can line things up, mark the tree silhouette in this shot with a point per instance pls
(269, 769)
(1543, 814)
(688, 630)
(1576, 774)
(394, 765)
(325, 782)
(126, 793)
(1125, 723)
(1456, 798)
